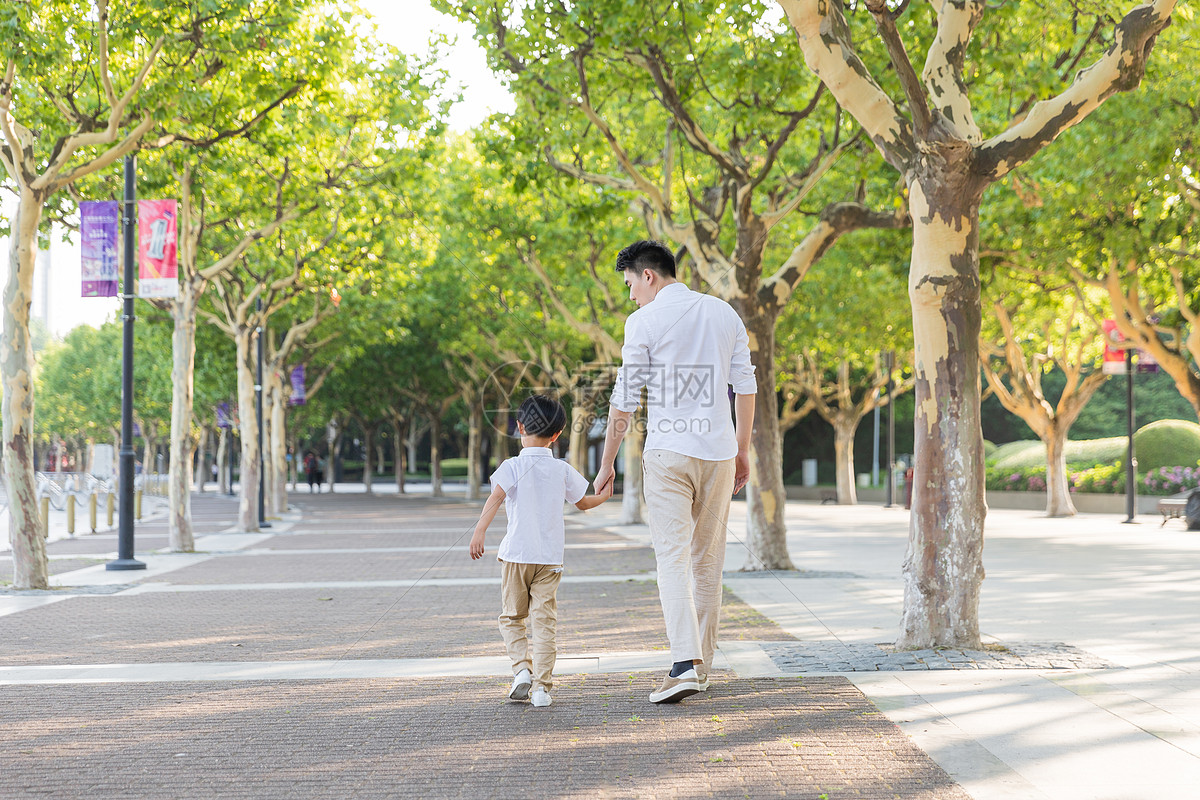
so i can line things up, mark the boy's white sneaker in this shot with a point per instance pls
(541, 698)
(520, 686)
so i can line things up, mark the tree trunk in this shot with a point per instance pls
(368, 445)
(223, 462)
(943, 567)
(631, 480)
(200, 470)
(502, 440)
(474, 439)
(766, 535)
(183, 351)
(333, 434)
(398, 429)
(411, 441)
(844, 428)
(248, 502)
(277, 496)
(435, 456)
(577, 447)
(30, 567)
(1058, 492)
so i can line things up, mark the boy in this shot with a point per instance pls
(533, 487)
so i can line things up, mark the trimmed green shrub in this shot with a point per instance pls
(1167, 443)
(1084, 453)
(989, 450)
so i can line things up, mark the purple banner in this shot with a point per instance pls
(223, 419)
(99, 222)
(298, 393)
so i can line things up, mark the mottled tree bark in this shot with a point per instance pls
(632, 499)
(943, 565)
(435, 455)
(766, 533)
(30, 567)
(250, 474)
(474, 440)
(181, 538)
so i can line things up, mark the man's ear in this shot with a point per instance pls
(649, 275)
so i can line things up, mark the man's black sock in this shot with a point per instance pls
(680, 667)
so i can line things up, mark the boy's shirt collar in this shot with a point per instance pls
(537, 451)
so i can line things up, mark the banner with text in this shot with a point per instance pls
(158, 270)
(298, 391)
(99, 222)
(1114, 356)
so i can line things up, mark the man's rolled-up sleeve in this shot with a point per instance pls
(635, 367)
(741, 371)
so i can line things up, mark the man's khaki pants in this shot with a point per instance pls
(687, 506)
(528, 594)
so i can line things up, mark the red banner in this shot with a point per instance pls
(1114, 358)
(158, 270)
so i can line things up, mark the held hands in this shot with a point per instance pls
(741, 471)
(606, 477)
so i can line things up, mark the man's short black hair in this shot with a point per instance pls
(647, 254)
(542, 416)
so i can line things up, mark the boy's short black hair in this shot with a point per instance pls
(542, 416)
(647, 254)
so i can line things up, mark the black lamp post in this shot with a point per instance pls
(125, 559)
(1130, 459)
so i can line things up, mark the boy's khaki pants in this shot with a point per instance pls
(528, 593)
(687, 507)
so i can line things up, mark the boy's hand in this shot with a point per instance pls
(607, 491)
(477, 545)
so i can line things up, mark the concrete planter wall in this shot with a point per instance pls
(1031, 501)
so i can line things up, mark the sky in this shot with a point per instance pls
(408, 25)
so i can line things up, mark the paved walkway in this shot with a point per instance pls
(351, 651)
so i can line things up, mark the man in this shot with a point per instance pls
(685, 349)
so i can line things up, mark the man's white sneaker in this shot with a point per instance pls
(520, 685)
(541, 698)
(702, 679)
(675, 689)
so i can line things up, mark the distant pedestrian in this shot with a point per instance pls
(533, 487)
(311, 472)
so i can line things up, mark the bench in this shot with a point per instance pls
(1174, 507)
(1170, 508)
(828, 496)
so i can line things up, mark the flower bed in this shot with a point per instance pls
(1100, 479)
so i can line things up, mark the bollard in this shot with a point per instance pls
(111, 503)
(92, 510)
(70, 514)
(137, 504)
(45, 520)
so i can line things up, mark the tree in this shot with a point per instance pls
(835, 340)
(1058, 335)
(715, 142)
(946, 163)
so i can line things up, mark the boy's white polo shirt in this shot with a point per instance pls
(536, 484)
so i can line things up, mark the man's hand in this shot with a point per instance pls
(477, 544)
(605, 477)
(741, 470)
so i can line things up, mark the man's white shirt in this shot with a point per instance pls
(686, 349)
(536, 484)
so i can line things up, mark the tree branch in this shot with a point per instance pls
(1118, 70)
(942, 74)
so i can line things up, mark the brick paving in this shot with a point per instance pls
(809, 657)
(458, 738)
(429, 737)
(299, 624)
